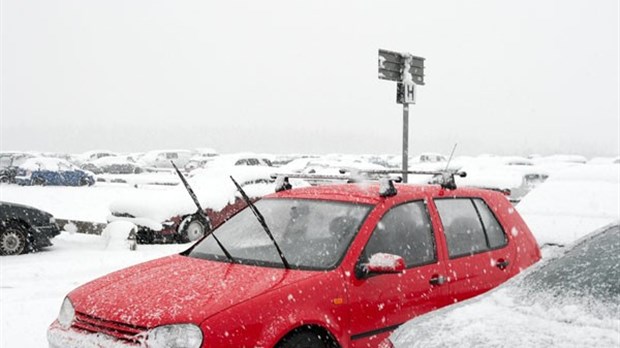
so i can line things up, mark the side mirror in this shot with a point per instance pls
(381, 263)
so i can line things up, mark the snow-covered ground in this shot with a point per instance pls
(575, 200)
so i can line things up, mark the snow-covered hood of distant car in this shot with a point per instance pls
(177, 289)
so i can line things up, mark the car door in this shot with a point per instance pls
(381, 302)
(479, 252)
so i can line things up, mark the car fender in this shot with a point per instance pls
(264, 320)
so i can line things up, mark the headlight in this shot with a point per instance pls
(175, 336)
(67, 313)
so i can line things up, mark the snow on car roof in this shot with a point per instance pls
(46, 163)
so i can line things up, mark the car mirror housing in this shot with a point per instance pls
(382, 263)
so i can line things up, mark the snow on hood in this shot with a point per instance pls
(177, 289)
(213, 188)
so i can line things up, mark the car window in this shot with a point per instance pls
(242, 162)
(495, 233)
(405, 231)
(172, 155)
(462, 227)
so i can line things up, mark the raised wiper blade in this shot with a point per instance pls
(201, 213)
(261, 220)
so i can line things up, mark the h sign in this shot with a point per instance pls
(405, 93)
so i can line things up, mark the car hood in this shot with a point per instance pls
(177, 289)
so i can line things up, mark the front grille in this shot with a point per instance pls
(128, 333)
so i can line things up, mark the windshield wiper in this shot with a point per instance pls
(261, 220)
(201, 212)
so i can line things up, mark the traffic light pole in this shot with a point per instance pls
(405, 141)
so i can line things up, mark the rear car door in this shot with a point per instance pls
(479, 252)
(380, 303)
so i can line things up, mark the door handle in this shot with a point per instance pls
(502, 264)
(437, 280)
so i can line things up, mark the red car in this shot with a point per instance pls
(350, 263)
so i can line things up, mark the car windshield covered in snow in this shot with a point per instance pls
(312, 234)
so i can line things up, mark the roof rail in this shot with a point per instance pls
(445, 178)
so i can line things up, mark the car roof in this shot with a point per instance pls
(368, 193)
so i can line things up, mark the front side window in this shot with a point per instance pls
(469, 226)
(404, 231)
(313, 234)
(172, 155)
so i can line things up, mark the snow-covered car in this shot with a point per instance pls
(568, 301)
(113, 165)
(515, 179)
(24, 228)
(52, 171)
(9, 162)
(171, 216)
(161, 159)
(92, 155)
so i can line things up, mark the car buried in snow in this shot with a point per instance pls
(46, 171)
(569, 300)
(338, 265)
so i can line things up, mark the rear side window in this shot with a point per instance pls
(405, 231)
(494, 231)
(469, 226)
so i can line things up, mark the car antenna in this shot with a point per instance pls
(450, 158)
(201, 213)
(261, 220)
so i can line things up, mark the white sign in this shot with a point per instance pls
(406, 93)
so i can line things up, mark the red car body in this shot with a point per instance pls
(237, 305)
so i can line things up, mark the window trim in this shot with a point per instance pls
(486, 237)
(432, 230)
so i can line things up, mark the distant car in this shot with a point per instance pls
(92, 156)
(9, 161)
(24, 228)
(568, 301)
(322, 266)
(161, 159)
(172, 217)
(113, 165)
(52, 171)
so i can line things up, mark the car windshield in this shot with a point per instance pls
(588, 274)
(312, 234)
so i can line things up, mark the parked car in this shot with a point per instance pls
(161, 159)
(567, 301)
(334, 265)
(113, 165)
(9, 161)
(52, 171)
(24, 228)
(172, 217)
(90, 156)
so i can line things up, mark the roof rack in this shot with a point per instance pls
(444, 178)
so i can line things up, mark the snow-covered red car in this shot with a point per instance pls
(328, 266)
(171, 216)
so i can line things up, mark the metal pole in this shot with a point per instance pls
(405, 141)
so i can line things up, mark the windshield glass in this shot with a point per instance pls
(312, 234)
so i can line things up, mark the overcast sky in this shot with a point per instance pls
(505, 77)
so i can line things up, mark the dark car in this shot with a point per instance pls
(24, 228)
(52, 171)
(571, 300)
